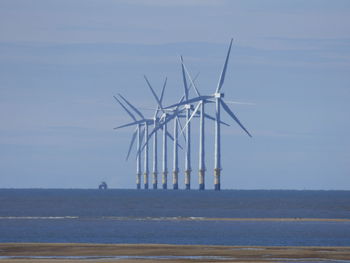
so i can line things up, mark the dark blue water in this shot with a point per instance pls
(130, 216)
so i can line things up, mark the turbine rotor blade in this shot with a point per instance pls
(131, 106)
(131, 143)
(193, 113)
(179, 122)
(213, 119)
(160, 126)
(129, 124)
(240, 103)
(184, 78)
(190, 77)
(228, 110)
(223, 72)
(163, 89)
(172, 138)
(154, 94)
(125, 108)
(189, 101)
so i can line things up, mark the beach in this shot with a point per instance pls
(74, 252)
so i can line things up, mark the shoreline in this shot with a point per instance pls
(181, 218)
(83, 252)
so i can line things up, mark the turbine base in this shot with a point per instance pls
(188, 179)
(217, 184)
(138, 181)
(201, 179)
(165, 180)
(155, 180)
(175, 180)
(145, 179)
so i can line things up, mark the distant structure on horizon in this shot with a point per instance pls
(185, 108)
(103, 186)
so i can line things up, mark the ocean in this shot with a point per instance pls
(175, 217)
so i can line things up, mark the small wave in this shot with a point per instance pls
(175, 218)
(119, 257)
(37, 217)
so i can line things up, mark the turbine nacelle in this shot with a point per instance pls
(189, 107)
(219, 95)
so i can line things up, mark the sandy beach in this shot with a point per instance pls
(69, 253)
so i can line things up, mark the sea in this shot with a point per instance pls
(175, 217)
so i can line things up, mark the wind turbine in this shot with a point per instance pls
(166, 117)
(165, 130)
(139, 134)
(217, 97)
(174, 113)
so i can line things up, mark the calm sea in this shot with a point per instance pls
(173, 217)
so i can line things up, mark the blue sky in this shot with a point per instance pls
(62, 61)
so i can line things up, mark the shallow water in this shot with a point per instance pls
(130, 216)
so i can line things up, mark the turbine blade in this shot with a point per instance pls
(163, 89)
(172, 138)
(121, 104)
(131, 143)
(194, 80)
(190, 77)
(129, 124)
(160, 126)
(213, 119)
(189, 101)
(193, 113)
(132, 106)
(161, 97)
(228, 110)
(180, 125)
(181, 100)
(223, 72)
(184, 78)
(154, 94)
(240, 103)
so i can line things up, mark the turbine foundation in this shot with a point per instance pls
(145, 179)
(155, 180)
(175, 180)
(188, 179)
(138, 181)
(165, 180)
(201, 179)
(217, 172)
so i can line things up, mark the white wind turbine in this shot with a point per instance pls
(217, 97)
(140, 134)
(163, 125)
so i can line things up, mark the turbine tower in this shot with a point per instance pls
(188, 108)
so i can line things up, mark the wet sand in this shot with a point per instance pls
(78, 253)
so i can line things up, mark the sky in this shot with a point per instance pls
(61, 62)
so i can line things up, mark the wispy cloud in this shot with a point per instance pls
(171, 3)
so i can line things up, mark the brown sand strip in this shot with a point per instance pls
(288, 219)
(267, 219)
(150, 252)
